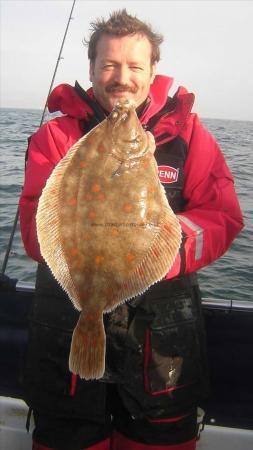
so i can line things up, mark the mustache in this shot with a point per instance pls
(117, 87)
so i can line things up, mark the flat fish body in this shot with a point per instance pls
(105, 228)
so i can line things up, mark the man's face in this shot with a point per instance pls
(122, 69)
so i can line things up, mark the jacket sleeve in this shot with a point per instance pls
(46, 148)
(212, 217)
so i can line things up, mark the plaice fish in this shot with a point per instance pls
(105, 228)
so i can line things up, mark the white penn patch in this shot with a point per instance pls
(168, 174)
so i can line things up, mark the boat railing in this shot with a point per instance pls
(207, 302)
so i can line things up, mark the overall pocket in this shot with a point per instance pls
(172, 358)
(172, 350)
(48, 383)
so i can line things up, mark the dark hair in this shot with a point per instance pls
(120, 23)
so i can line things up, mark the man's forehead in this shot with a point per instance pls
(138, 44)
(134, 39)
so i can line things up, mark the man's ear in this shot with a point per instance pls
(91, 71)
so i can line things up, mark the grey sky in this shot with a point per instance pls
(207, 48)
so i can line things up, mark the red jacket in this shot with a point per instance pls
(211, 218)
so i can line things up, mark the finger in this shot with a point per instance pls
(151, 142)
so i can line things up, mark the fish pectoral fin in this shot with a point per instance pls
(118, 171)
(125, 165)
(87, 353)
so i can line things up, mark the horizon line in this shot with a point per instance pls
(202, 117)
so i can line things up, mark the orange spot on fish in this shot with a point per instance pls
(72, 201)
(167, 227)
(146, 164)
(95, 187)
(130, 257)
(127, 207)
(114, 232)
(151, 189)
(149, 213)
(99, 259)
(101, 197)
(83, 164)
(101, 149)
(91, 215)
(74, 251)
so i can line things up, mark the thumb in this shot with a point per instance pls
(151, 142)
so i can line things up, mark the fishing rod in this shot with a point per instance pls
(7, 253)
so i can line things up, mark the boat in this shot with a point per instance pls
(228, 411)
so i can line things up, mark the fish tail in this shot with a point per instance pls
(87, 352)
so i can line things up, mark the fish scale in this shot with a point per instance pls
(105, 228)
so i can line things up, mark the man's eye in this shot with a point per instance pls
(136, 68)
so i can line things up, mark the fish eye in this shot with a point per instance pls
(114, 115)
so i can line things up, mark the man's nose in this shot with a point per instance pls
(122, 75)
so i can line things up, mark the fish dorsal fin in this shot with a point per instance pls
(48, 218)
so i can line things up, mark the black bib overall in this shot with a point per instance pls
(155, 358)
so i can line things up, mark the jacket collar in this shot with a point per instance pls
(81, 105)
(74, 101)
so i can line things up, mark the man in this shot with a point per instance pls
(156, 363)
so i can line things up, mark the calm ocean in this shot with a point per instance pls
(230, 277)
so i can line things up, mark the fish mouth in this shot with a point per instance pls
(133, 145)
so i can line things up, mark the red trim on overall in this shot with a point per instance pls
(147, 356)
(72, 390)
(120, 442)
(168, 390)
